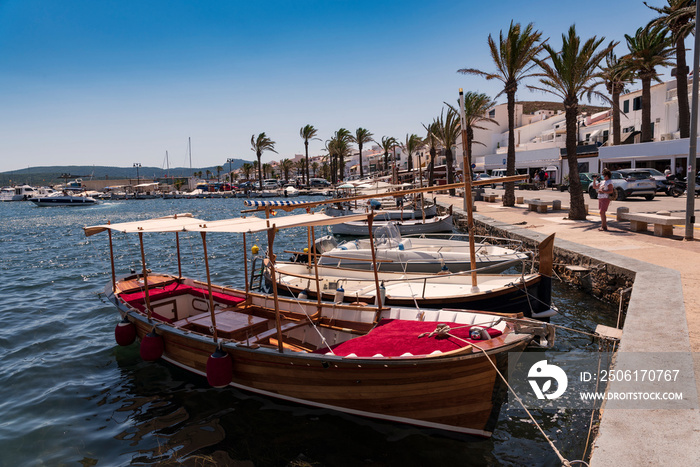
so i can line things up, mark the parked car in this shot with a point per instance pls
(586, 179)
(630, 182)
(662, 183)
(319, 182)
(483, 176)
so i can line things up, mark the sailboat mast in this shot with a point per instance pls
(189, 150)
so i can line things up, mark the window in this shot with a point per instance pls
(626, 106)
(492, 113)
(637, 103)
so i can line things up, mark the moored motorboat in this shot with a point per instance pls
(387, 214)
(421, 253)
(529, 294)
(435, 369)
(410, 226)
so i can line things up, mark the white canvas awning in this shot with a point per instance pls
(174, 223)
(187, 223)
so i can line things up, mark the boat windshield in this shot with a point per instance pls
(388, 236)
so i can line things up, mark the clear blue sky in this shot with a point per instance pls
(86, 82)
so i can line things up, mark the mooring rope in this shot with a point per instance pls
(303, 308)
(445, 331)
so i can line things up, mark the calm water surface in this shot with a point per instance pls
(70, 396)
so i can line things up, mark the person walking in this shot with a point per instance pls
(604, 189)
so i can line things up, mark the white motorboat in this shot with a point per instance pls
(387, 214)
(435, 224)
(290, 192)
(64, 200)
(425, 253)
(503, 293)
(18, 193)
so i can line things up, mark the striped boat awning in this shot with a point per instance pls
(272, 203)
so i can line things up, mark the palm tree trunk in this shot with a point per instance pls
(646, 108)
(509, 195)
(362, 173)
(682, 88)
(617, 128)
(577, 211)
(260, 177)
(450, 175)
(467, 171)
(431, 177)
(306, 148)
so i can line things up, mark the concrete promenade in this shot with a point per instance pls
(663, 316)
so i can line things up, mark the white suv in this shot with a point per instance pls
(630, 182)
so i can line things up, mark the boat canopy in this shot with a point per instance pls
(272, 202)
(187, 223)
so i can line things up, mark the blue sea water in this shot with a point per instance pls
(70, 396)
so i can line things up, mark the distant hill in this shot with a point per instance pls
(52, 175)
(533, 106)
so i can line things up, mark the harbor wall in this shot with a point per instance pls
(651, 298)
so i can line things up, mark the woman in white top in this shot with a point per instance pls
(604, 189)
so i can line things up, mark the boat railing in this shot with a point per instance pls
(483, 240)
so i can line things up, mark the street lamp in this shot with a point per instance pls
(230, 173)
(137, 165)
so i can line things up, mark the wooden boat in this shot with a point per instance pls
(422, 253)
(529, 294)
(410, 226)
(433, 369)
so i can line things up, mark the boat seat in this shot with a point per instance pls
(405, 313)
(396, 338)
(176, 289)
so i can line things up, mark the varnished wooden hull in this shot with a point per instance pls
(453, 393)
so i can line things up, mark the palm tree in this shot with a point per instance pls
(649, 48)
(513, 57)
(361, 137)
(286, 165)
(209, 173)
(679, 17)
(247, 168)
(308, 133)
(338, 148)
(300, 167)
(615, 74)
(476, 106)
(267, 169)
(386, 144)
(314, 166)
(260, 144)
(219, 169)
(448, 129)
(432, 142)
(569, 74)
(411, 145)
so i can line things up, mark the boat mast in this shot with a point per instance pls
(467, 190)
(145, 278)
(211, 295)
(278, 323)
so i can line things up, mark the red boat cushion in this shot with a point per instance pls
(137, 299)
(394, 337)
